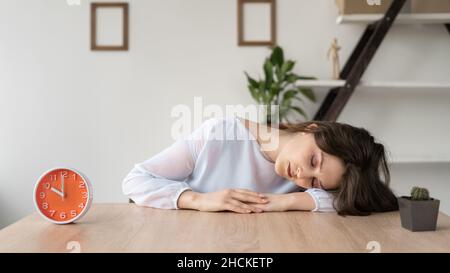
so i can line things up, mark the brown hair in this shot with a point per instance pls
(362, 190)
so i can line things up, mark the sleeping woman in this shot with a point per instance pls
(226, 164)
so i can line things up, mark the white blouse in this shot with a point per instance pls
(220, 154)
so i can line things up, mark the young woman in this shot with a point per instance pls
(227, 165)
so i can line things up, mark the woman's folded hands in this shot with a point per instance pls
(237, 200)
(276, 202)
(245, 201)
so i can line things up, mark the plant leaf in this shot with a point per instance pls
(308, 92)
(255, 94)
(298, 98)
(306, 77)
(290, 94)
(291, 78)
(286, 102)
(277, 57)
(287, 67)
(251, 81)
(262, 90)
(274, 91)
(300, 111)
(294, 77)
(278, 74)
(268, 72)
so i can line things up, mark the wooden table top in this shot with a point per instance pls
(129, 228)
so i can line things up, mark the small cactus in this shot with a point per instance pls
(418, 193)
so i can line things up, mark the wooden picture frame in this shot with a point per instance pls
(125, 39)
(273, 23)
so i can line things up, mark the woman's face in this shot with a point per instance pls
(304, 163)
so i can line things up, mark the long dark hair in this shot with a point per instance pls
(362, 189)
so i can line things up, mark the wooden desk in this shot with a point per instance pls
(128, 228)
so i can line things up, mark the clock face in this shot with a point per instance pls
(62, 195)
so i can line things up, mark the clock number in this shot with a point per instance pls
(81, 205)
(47, 186)
(53, 177)
(42, 195)
(82, 185)
(52, 212)
(62, 215)
(73, 213)
(64, 174)
(45, 205)
(85, 195)
(74, 176)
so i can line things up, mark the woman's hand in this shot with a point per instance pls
(277, 202)
(237, 200)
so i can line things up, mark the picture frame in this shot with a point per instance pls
(95, 46)
(272, 41)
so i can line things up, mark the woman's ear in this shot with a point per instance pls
(312, 125)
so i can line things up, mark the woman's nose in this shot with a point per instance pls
(299, 173)
(302, 173)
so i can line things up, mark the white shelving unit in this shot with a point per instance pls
(396, 86)
(406, 85)
(407, 18)
(420, 160)
(377, 84)
(402, 18)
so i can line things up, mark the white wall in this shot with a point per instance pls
(61, 104)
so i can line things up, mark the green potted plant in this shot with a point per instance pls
(278, 87)
(418, 212)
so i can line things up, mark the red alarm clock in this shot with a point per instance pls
(62, 195)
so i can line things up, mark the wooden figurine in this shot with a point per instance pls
(333, 54)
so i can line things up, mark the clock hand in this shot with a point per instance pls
(62, 186)
(57, 192)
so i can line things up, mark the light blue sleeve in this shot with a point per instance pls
(322, 199)
(159, 181)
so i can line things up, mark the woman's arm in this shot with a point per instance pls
(236, 200)
(310, 200)
(288, 201)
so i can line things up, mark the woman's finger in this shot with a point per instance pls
(246, 197)
(237, 209)
(262, 207)
(245, 206)
(257, 194)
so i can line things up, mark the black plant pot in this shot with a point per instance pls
(418, 215)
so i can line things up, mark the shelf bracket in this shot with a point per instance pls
(357, 64)
(448, 27)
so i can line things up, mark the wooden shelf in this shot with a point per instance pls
(407, 18)
(377, 84)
